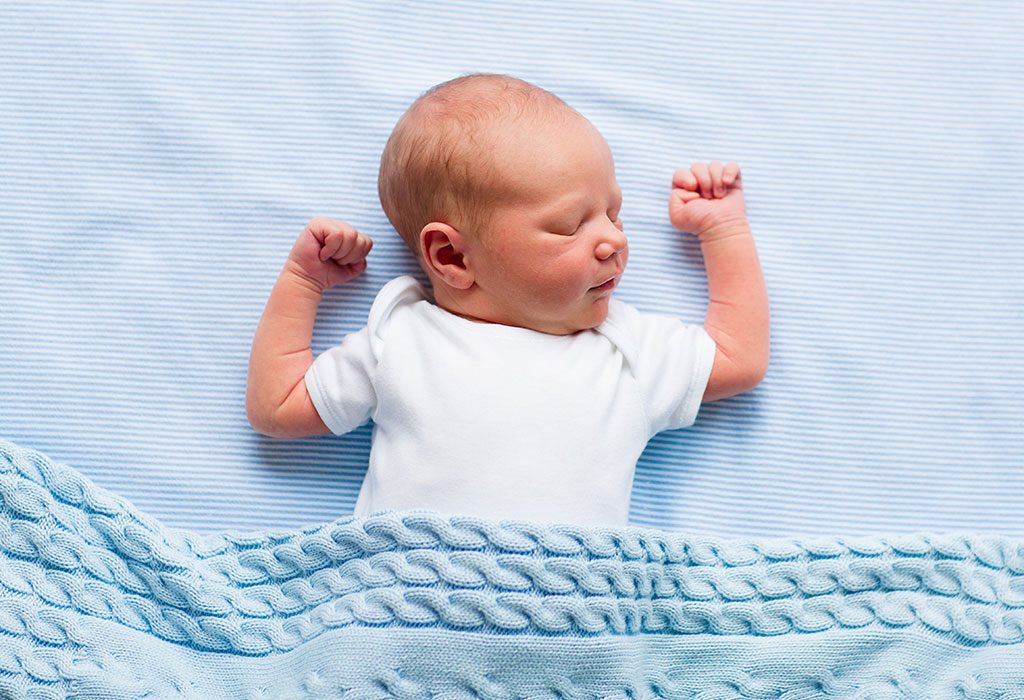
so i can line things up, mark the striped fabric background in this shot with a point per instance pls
(157, 162)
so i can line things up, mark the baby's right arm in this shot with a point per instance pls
(326, 253)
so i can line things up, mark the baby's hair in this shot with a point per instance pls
(437, 164)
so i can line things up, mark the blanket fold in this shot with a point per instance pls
(99, 600)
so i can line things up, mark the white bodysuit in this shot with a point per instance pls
(505, 422)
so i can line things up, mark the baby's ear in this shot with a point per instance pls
(442, 249)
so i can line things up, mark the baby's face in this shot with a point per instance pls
(555, 251)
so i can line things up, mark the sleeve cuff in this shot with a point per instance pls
(320, 402)
(701, 376)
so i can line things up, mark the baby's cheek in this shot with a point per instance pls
(565, 278)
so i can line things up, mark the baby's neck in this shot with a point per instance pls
(453, 305)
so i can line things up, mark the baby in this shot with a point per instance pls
(515, 387)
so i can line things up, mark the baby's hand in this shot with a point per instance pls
(330, 252)
(706, 197)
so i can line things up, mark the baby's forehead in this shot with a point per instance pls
(525, 149)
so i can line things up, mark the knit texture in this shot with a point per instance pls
(99, 600)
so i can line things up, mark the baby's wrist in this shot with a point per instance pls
(298, 278)
(723, 230)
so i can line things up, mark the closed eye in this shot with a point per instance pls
(569, 230)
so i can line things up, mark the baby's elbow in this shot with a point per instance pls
(269, 426)
(297, 417)
(260, 420)
(741, 377)
(256, 421)
(754, 373)
(729, 378)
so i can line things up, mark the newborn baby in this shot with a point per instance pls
(516, 386)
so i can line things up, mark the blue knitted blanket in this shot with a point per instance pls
(98, 600)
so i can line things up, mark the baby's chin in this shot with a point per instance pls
(601, 305)
(593, 316)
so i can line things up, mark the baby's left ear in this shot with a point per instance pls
(442, 249)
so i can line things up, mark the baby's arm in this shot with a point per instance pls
(708, 202)
(326, 253)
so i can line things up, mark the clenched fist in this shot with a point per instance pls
(705, 197)
(330, 252)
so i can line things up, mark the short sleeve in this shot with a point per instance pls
(670, 360)
(340, 383)
(342, 380)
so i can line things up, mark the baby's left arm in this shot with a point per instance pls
(708, 202)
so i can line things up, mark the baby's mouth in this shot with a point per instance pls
(607, 285)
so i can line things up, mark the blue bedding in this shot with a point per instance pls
(157, 164)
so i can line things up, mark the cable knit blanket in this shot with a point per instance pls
(98, 600)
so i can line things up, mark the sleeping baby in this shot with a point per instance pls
(515, 386)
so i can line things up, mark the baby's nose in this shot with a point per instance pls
(614, 243)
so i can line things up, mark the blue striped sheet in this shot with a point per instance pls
(157, 161)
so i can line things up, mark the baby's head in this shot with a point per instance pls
(508, 198)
